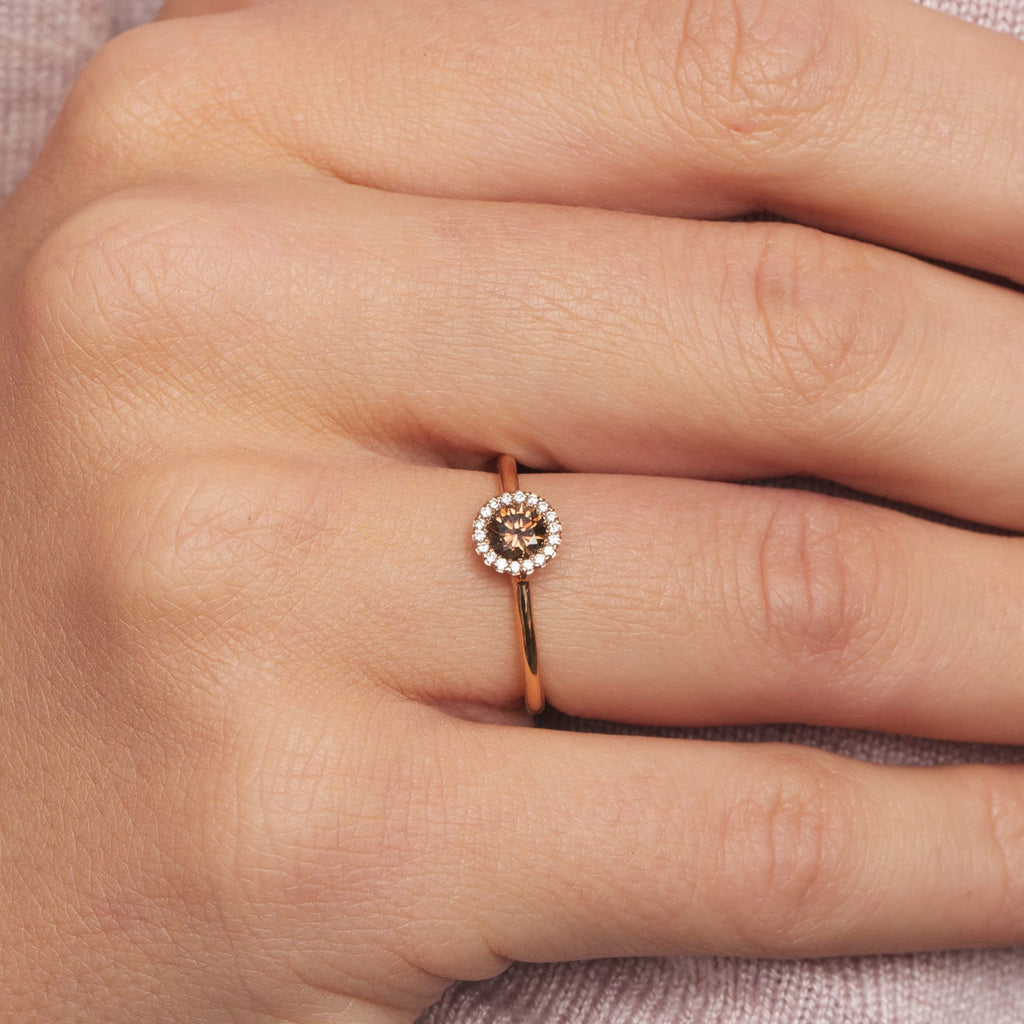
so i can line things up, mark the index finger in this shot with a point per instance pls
(880, 119)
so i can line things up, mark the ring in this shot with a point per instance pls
(518, 533)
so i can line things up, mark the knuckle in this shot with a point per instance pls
(824, 338)
(1000, 803)
(753, 76)
(790, 838)
(815, 599)
(151, 98)
(131, 91)
(83, 292)
(110, 297)
(206, 546)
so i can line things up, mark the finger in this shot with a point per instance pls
(584, 340)
(197, 8)
(883, 119)
(598, 846)
(670, 602)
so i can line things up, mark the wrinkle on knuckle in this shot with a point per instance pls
(749, 77)
(151, 98)
(193, 543)
(140, 297)
(814, 601)
(86, 295)
(368, 809)
(824, 335)
(131, 103)
(789, 842)
(1000, 833)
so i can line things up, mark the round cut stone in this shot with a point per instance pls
(518, 531)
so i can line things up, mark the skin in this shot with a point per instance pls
(284, 281)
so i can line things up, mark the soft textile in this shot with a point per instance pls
(43, 43)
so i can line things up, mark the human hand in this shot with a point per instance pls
(270, 313)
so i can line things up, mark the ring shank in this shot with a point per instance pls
(533, 692)
(509, 473)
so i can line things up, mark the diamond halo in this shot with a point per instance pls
(517, 533)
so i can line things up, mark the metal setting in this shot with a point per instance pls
(518, 533)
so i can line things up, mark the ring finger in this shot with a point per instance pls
(671, 602)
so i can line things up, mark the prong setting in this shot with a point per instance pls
(517, 533)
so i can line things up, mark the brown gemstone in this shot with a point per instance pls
(517, 532)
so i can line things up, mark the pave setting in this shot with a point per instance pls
(517, 533)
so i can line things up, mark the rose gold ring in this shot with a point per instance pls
(517, 533)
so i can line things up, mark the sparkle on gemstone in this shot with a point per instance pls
(517, 531)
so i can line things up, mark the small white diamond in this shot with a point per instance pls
(506, 498)
(528, 566)
(556, 539)
(531, 500)
(551, 516)
(539, 560)
(542, 506)
(492, 506)
(483, 548)
(479, 535)
(480, 523)
(555, 527)
(519, 497)
(501, 564)
(549, 551)
(490, 558)
(513, 567)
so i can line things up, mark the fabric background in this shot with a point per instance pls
(43, 44)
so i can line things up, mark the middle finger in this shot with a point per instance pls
(583, 340)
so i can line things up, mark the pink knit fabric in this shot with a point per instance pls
(43, 43)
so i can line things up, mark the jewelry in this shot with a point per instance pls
(517, 533)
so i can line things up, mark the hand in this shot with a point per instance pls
(284, 282)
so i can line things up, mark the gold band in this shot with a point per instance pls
(534, 694)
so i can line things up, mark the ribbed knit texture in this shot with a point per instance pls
(43, 44)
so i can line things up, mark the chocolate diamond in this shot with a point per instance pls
(517, 532)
